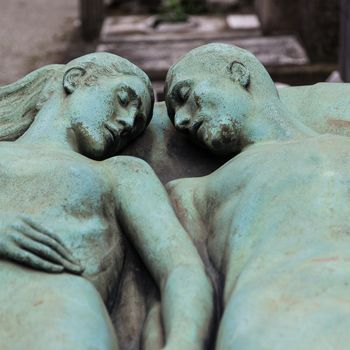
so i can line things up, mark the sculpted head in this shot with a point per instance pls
(212, 93)
(107, 100)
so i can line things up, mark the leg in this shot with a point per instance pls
(51, 312)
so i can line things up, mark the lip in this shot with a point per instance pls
(112, 131)
(195, 127)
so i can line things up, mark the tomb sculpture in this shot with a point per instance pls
(69, 205)
(273, 221)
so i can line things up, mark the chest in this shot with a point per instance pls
(285, 195)
(38, 183)
(291, 175)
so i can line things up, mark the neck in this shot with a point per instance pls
(272, 121)
(50, 128)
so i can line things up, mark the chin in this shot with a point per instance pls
(221, 145)
(223, 149)
(95, 152)
(95, 155)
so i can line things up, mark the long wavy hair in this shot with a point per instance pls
(21, 101)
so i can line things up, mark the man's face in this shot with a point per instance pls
(210, 109)
(109, 114)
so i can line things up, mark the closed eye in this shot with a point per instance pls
(127, 95)
(181, 92)
(123, 98)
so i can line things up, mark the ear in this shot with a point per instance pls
(72, 79)
(239, 72)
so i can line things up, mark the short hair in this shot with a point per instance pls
(216, 58)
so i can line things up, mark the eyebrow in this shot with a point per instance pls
(130, 91)
(133, 95)
(180, 85)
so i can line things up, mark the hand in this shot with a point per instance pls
(28, 243)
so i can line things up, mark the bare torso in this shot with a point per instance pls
(71, 196)
(278, 232)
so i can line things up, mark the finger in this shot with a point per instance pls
(55, 244)
(48, 253)
(38, 227)
(43, 238)
(33, 261)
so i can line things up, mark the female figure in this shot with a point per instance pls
(66, 210)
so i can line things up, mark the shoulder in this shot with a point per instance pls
(127, 171)
(183, 186)
(126, 164)
(187, 194)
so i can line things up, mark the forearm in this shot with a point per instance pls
(146, 214)
(187, 311)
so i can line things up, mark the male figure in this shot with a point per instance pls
(275, 219)
(66, 210)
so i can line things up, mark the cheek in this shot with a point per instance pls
(95, 108)
(223, 132)
(222, 138)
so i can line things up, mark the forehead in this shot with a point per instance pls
(202, 63)
(194, 77)
(131, 81)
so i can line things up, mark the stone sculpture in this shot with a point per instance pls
(68, 207)
(274, 220)
(324, 107)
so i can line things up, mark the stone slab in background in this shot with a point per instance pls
(156, 57)
(155, 50)
(306, 74)
(138, 28)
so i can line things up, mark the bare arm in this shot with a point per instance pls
(146, 215)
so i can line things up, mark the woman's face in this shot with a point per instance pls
(108, 115)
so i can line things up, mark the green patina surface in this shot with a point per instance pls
(69, 207)
(267, 208)
(274, 219)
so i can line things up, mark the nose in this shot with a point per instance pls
(182, 121)
(126, 122)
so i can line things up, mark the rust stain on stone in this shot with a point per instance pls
(325, 260)
(339, 123)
